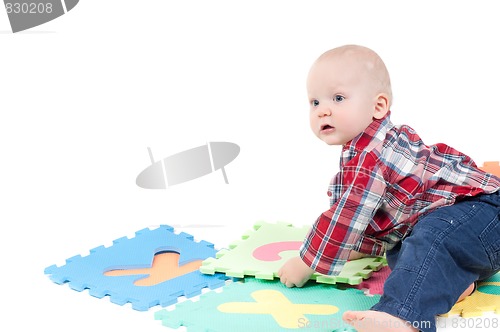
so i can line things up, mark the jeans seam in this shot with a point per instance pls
(488, 247)
(422, 274)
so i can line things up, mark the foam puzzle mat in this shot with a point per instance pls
(485, 298)
(375, 285)
(262, 251)
(154, 267)
(263, 305)
(492, 167)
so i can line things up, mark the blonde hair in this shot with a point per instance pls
(370, 62)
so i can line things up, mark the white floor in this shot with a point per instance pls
(82, 97)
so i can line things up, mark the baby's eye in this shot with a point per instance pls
(339, 98)
(315, 102)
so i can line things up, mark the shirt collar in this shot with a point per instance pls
(373, 135)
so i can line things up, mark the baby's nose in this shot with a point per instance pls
(324, 111)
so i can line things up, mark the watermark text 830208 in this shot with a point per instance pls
(28, 8)
(471, 323)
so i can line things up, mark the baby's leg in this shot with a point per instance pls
(467, 292)
(372, 321)
(446, 252)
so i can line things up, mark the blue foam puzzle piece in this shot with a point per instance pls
(87, 272)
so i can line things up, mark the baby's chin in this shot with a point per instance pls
(333, 143)
(332, 140)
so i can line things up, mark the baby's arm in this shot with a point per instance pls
(356, 255)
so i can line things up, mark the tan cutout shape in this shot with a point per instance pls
(165, 267)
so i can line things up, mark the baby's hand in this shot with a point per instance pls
(295, 272)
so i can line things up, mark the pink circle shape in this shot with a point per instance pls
(270, 252)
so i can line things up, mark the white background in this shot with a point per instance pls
(83, 96)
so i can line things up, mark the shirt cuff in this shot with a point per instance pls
(323, 264)
(371, 246)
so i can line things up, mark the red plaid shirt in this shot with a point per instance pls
(388, 179)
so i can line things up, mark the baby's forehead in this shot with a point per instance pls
(356, 60)
(351, 55)
(351, 64)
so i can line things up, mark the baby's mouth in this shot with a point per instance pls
(326, 127)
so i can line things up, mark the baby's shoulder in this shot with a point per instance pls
(402, 136)
(405, 129)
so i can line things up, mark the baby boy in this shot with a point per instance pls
(428, 208)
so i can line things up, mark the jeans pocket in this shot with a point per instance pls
(490, 238)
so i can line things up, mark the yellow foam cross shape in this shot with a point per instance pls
(165, 266)
(276, 304)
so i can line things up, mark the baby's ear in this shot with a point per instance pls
(381, 106)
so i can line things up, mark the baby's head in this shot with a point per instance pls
(348, 87)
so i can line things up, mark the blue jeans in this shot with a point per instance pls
(447, 250)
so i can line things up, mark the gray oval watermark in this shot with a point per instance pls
(188, 165)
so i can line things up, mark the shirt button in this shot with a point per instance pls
(329, 193)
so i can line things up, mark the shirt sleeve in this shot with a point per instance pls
(337, 231)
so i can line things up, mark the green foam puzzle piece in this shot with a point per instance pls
(263, 305)
(262, 251)
(239, 261)
(353, 271)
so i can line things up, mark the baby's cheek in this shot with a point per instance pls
(314, 125)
